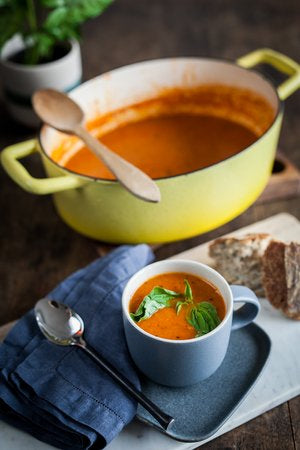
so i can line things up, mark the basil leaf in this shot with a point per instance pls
(158, 298)
(188, 291)
(203, 325)
(188, 295)
(208, 319)
(147, 308)
(179, 305)
(204, 318)
(160, 291)
(211, 310)
(197, 321)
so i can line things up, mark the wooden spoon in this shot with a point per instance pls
(62, 113)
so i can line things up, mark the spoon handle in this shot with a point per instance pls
(163, 419)
(132, 178)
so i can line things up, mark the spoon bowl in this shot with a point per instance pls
(57, 109)
(58, 322)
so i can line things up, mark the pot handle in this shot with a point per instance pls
(10, 161)
(278, 61)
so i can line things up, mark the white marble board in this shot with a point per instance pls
(279, 382)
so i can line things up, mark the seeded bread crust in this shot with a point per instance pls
(239, 260)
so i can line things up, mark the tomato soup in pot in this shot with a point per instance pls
(180, 131)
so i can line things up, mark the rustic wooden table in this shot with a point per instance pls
(38, 250)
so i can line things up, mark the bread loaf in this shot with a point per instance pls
(239, 260)
(269, 267)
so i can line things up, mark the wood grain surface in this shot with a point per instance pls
(38, 249)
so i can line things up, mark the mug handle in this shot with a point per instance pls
(280, 62)
(247, 313)
(10, 161)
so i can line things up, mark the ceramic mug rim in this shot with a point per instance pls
(181, 263)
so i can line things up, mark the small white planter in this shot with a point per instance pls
(21, 81)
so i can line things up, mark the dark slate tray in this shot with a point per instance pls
(200, 410)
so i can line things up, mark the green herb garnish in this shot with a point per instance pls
(188, 297)
(158, 298)
(188, 291)
(204, 318)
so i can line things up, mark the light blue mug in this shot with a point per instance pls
(184, 362)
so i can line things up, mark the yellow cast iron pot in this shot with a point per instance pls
(192, 203)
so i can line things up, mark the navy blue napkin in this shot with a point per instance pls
(58, 394)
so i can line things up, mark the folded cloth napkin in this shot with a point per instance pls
(58, 394)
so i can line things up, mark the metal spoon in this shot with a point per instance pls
(62, 326)
(62, 113)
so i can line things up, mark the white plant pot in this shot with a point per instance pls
(21, 81)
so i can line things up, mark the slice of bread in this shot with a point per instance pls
(269, 267)
(239, 260)
(281, 277)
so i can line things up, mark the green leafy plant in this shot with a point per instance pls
(43, 24)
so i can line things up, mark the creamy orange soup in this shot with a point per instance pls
(166, 323)
(177, 132)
